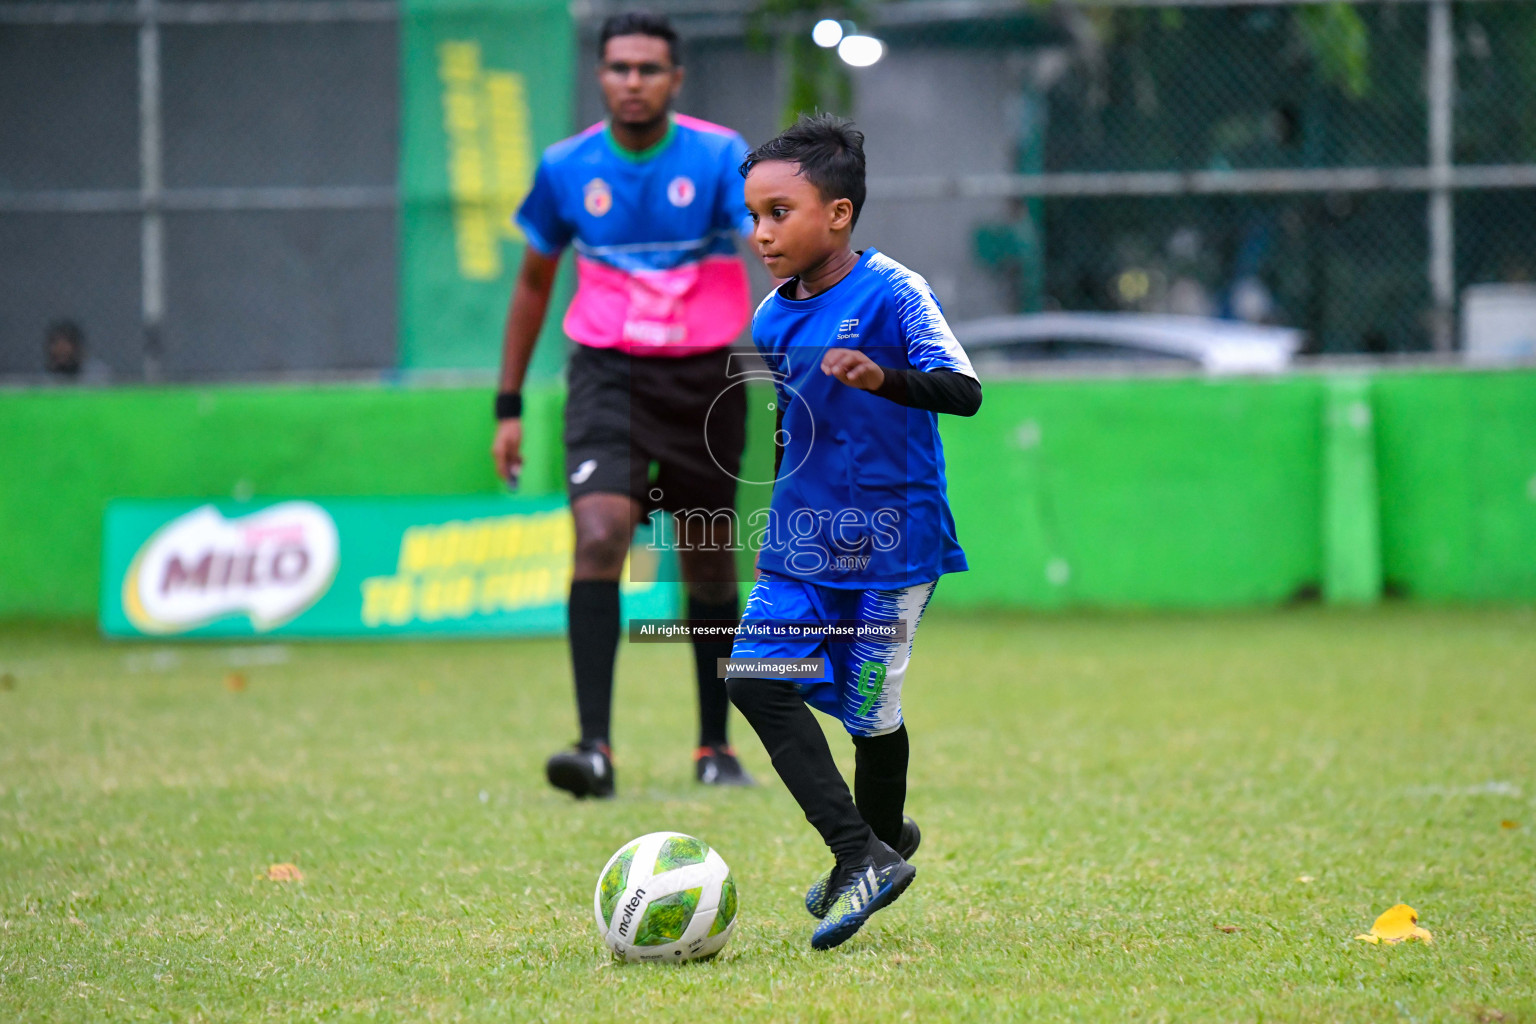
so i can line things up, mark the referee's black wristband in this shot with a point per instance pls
(509, 405)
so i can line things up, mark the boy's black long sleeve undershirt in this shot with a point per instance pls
(934, 390)
(942, 391)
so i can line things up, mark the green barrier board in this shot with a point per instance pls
(1351, 502)
(1160, 493)
(352, 567)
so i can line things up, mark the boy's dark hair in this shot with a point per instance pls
(830, 152)
(638, 23)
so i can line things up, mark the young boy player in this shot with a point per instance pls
(859, 527)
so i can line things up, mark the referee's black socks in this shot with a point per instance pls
(714, 704)
(594, 627)
(800, 755)
(593, 623)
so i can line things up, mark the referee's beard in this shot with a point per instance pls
(656, 124)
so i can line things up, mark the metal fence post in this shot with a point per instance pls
(151, 185)
(1441, 75)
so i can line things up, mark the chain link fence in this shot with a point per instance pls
(205, 189)
(1268, 88)
(1348, 168)
(210, 187)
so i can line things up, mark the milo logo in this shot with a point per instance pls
(629, 911)
(270, 565)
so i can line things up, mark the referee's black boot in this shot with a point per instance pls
(584, 770)
(717, 766)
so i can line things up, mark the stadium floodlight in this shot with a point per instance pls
(827, 33)
(860, 51)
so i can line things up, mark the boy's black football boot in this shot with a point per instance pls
(819, 896)
(871, 884)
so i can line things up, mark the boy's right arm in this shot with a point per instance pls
(525, 318)
(936, 390)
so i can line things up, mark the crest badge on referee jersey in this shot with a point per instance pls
(681, 190)
(599, 197)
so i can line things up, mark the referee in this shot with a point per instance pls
(651, 201)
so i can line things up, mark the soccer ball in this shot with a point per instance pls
(665, 897)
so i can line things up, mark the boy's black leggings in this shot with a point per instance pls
(794, 741)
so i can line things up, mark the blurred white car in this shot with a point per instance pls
(1215, 346)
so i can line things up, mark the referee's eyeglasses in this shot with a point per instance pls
(622, 69)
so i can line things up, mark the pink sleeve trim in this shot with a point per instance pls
(699, 124)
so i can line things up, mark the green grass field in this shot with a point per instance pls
(1148, 817)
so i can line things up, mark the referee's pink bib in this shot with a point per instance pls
(697, 306)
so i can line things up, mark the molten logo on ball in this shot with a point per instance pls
(629, 910)
(665, 897)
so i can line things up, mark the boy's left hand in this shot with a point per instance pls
(853, 368)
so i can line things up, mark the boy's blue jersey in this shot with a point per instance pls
(860, 497)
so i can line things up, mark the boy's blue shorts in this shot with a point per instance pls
(862, 683)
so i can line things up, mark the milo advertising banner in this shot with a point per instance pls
(352, 567)
(486, 85)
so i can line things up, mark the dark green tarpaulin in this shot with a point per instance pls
(486, 86)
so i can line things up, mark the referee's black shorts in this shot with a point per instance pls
(666, 430)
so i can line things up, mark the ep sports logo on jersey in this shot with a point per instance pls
(271, 565)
